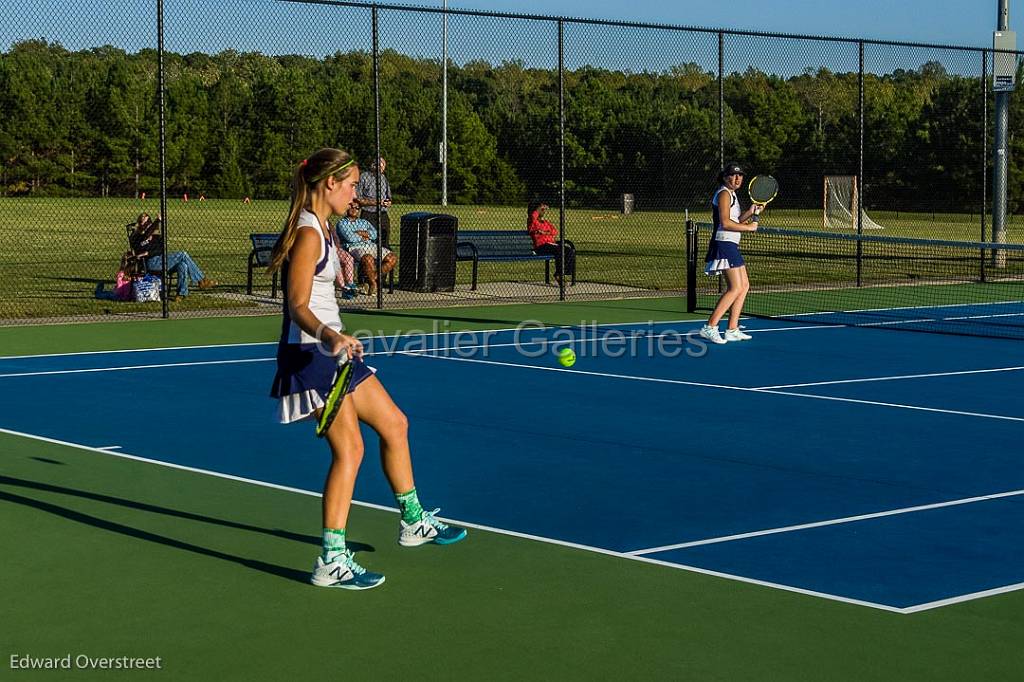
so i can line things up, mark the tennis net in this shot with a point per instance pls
(952, 287)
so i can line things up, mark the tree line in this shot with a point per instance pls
(86, 123)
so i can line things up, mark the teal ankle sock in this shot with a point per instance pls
(409, 503)
(334, 544)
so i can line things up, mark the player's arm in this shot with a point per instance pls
(302, 266)
(728, 223)
(754, 210)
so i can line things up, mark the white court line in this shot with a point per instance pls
(109, 447)
(130, 367)
(135, 350)
(490, 529)
(798, 329)
(379, 336)
(908, 307)
(896, 322)
(821, 524)
(962, 413)
(892, 378)
(984, 317)
(917, 608)
(681, 382)
(248, 360)
(553, 342)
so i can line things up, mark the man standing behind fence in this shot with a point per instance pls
(366, 195)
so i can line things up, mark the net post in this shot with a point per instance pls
(691, 266)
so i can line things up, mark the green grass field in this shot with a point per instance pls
(58, 250)
(106, 556)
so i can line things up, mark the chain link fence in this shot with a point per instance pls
(619, 129)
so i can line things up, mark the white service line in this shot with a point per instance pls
(821, 524)
(681, 382)
(902, 406)
(892, 378)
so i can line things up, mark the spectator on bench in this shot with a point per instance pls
(360, 240)
(545, 239)
(148, 242)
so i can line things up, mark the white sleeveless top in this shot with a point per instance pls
(734, 213)
(322, 302)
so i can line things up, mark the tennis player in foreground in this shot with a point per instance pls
(312, 342)
(724, 254)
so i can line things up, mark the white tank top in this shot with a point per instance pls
(734, 213)
(322, 302)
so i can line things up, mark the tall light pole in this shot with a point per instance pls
(444, 106)
(1004, 70)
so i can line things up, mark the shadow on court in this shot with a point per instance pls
(113, 526)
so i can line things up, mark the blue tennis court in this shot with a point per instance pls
(854, 464)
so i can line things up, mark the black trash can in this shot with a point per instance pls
(427, 252)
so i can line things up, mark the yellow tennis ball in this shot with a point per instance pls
(567, 357)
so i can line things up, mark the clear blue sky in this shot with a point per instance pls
(958, 22)
(275, 27)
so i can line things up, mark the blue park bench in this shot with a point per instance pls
(500, 245)
(259, 257)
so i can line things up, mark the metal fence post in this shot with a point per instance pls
(378, 154)
(984, 156)
(162, 104)
(860, 168)
(721, 99)
(561, 158)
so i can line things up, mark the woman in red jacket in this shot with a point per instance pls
(545, 240)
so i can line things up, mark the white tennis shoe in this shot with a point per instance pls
(736, 335)
(428, 529)
(344, 572)
(711, 334)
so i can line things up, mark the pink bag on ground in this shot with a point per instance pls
(123, 286)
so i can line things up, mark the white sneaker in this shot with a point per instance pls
(428, 529)
(345, 573)
(736, 335)
(711, 334)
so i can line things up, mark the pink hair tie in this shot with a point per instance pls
(304, 162)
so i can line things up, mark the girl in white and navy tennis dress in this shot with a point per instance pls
(305, 369)
(724, 248)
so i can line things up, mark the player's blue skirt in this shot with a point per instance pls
(722, 256)
(304, 377)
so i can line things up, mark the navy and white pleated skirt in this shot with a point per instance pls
(722, 256)
(304, 377)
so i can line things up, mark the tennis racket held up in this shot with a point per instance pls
(762, 189)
